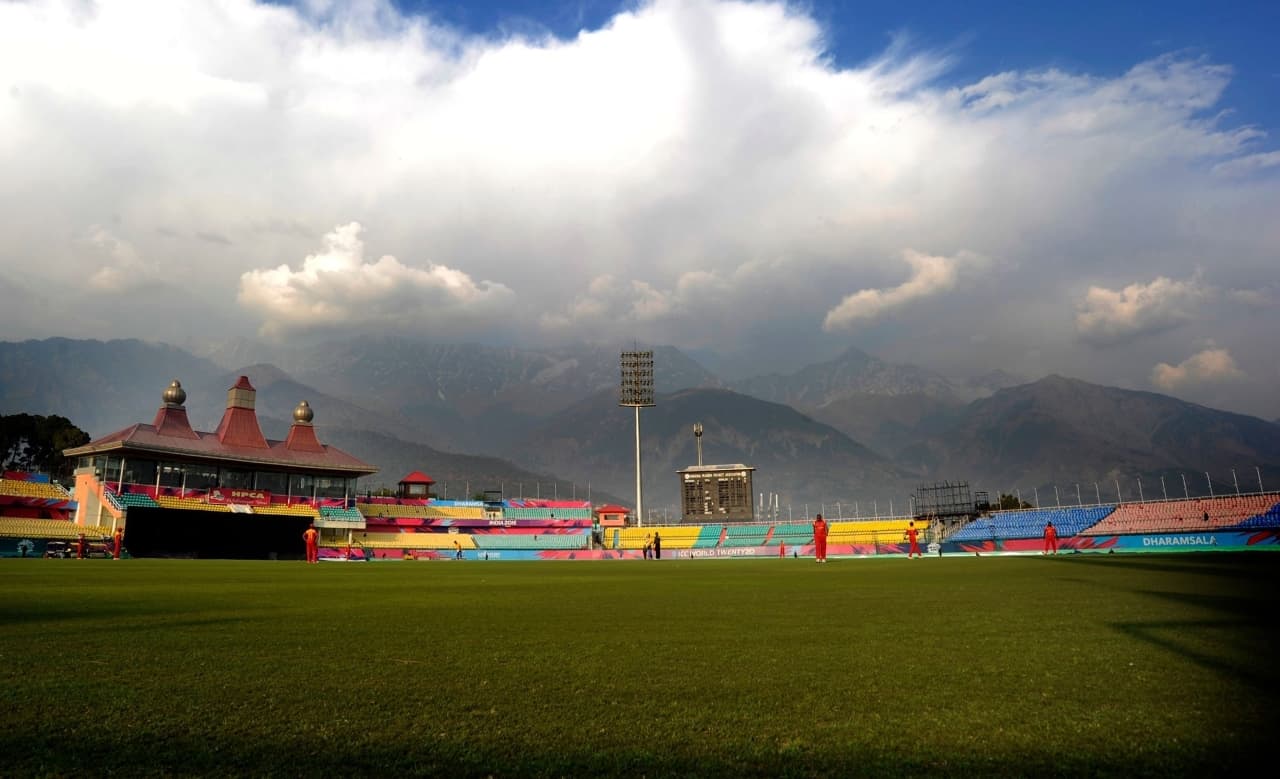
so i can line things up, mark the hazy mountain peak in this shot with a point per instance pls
(852, 372)
(856, 356)
(262, 375)
(1064, 429)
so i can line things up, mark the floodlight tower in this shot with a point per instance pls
(636, 390)
(697, 437)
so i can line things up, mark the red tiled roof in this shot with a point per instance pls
(612, 509)
(146, 439)
(239, 428)
(242, 383)
(417, 477)
(171, 420)
(302, 438)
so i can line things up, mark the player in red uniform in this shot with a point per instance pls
(912, 536)
(820, 539)
(1050, 539)
(118, 537)
(311, 536)
(80, 544)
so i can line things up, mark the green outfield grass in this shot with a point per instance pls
(1119, 665)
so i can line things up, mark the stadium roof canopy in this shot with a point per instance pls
(238, 438)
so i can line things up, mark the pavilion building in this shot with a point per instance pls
(167, 465)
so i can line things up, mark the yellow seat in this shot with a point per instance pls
(416, 540)
(24, 527)
(673, 536)
(874, 531)
(32, 489)
(194, 504)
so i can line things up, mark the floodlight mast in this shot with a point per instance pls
(636, 391)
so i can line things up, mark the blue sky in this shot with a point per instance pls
(1088, 189)
(983, 36)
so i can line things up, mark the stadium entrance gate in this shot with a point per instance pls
(151, 532)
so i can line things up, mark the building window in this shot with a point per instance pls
(111, 469)
(235, 479)
(301, 485)
(202, 477)
(271, 481)
(171, 475)
(139, 471)
(330, 487)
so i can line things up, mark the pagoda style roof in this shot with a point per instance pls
(417, 477)
(238, 439)
(146, 439)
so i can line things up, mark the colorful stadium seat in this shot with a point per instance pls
(874, 531)
(745, 535)
(192, 504)
(32, 489)
(416, 540)
(1030, 523)
(708, 536)
(60, 529)
(792, 534)
(329, 512)
(530, 541)
(1184, 516)
(131, 499)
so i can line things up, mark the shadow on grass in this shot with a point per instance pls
(115, 617)
(1254, 607)
(1244, 619)
(1176, 637)
(98, 753)
(1237, 565)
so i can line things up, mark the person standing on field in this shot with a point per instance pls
(657, 546)
(913, 537)
(312, 537)
(1050, 539)
(118, 538)
(820, 539)
(80, 547)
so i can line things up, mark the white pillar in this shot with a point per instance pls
(639, 488)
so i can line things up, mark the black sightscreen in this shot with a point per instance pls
(207, 535)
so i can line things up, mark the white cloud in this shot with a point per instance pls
(121, 268)
(692, 169)
(1106, 316)
(1259, 297)
(337, 288)
(1253, 163)
(930, 275)
(1209, 366)
(612, 308)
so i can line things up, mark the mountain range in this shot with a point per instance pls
(546, 421)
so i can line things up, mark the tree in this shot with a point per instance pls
(1011, 502)
(30, 442)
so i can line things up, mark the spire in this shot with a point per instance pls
(239, 425)
(171, 417)
(302, 436)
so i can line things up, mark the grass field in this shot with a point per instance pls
(1119, 665)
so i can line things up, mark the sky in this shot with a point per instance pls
(1089, 189)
